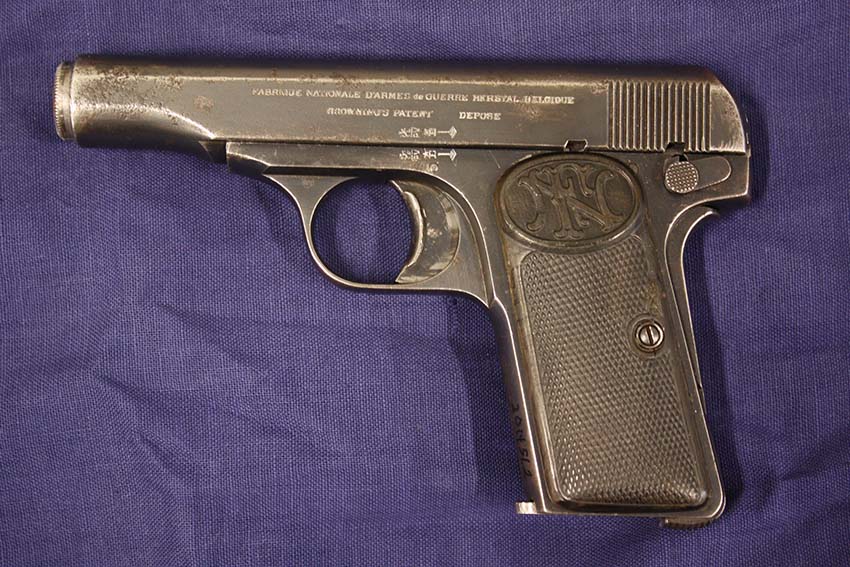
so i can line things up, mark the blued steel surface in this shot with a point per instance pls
(561, 198)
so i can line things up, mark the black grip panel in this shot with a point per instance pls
(613, 412)
(602, 348)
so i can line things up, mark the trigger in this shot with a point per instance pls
(436, 231)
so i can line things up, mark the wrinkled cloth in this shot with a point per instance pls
(179, 385)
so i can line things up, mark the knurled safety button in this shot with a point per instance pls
(690, 175)
(681, 177)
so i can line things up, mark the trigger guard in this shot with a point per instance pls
(441, 260)
(436, 231)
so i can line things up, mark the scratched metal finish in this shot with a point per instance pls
(614, 415)
(142, 102)
(528, 188)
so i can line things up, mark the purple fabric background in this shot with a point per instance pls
(180, 386)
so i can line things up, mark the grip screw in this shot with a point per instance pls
(649, 335)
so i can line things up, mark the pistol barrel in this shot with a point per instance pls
(201, 106)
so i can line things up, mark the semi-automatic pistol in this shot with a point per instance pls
(560, 198)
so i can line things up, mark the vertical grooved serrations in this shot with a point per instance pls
(641, 119)
(649, 115)
(704, 116)
(692, 112)
(662, 114)
(611, 95)
(671, 93)
(695, 110)
(632, 114)
(680, 113)
(675, 117)
(644, 133)
(618, 114)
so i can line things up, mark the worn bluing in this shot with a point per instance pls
(448, 137)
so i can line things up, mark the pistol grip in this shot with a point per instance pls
(604, 348)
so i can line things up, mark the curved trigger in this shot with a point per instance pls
(436, 231)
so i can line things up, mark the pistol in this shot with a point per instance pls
(561, 198)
